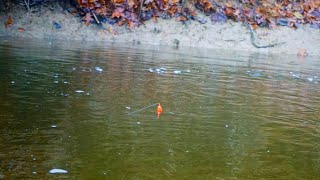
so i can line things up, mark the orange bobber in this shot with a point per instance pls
(159, 110)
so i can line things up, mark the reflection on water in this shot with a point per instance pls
(226, 115)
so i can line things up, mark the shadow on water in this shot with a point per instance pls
(227, 115)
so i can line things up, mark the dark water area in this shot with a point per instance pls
(226, 115)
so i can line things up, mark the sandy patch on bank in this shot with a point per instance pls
(232, 35)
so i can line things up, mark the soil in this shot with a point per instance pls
(39, 23)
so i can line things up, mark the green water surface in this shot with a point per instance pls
(226, 115)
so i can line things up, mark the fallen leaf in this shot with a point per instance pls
(87, 18)
(229, 11)
(298, 15)
(130, 3)
(118, 12)
(112, 31)
(130, 24)
(21, 29)
(254, 26)
(155, 17)
(9, 22)
(117, 1)
(181, 18)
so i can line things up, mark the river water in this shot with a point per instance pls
(226, 114)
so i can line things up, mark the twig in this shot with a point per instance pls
(252, 37)
(95, 17)
(27, 4)
(139, 17)
(215, 3)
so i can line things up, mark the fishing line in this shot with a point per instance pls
(143, 108)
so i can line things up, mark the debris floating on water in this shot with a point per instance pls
(65, 95)
(310, 79)
(158, 70)
(79, 91)
(255, 73)
(177, 72)
(181, 71)
(58, 171)
(99, 69)
(295, 75)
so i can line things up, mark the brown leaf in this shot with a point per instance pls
(120, 23)
(254, 26)
(130, 24)
(229, 11)
(21, 29)
(130, 3)
(181, 18)
(155, 17)
(118, 12)
(208, 6)
(117, 1)
(172, 11)
(228, 4)
(102, 11)
(9, 22)
(87, 18)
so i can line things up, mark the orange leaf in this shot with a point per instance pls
(208, 6)
(172, 11)
(116, 14)
(120, 23)
(229, 11)
(117, 1)
(9, 22)
(181, 18)
(130, 24)
(254, 26)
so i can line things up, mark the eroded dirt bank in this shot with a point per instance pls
(232, 35)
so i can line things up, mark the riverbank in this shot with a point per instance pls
(52, 22)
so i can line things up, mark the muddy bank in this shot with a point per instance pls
(231, 35)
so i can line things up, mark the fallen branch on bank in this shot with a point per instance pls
(27, 3)
(252, 32)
